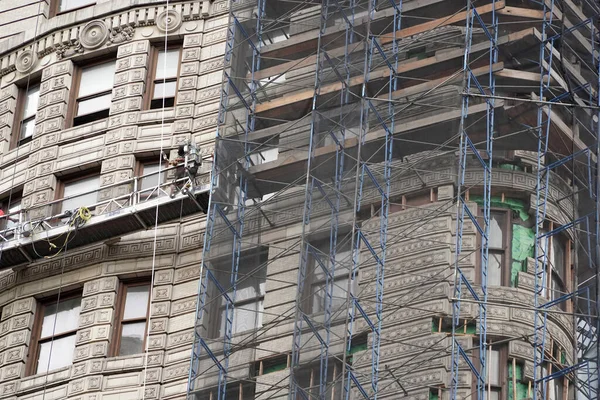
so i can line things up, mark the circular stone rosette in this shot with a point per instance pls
(25, 61)
(93, 35)
(168, 21)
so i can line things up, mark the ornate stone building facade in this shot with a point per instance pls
(45, 59)
(94, 95)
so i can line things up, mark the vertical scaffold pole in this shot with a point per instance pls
(234, 96)
(541, 258)
(483, 160)
(321, 188)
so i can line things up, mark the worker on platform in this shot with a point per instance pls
(187, 163)
(179, 163)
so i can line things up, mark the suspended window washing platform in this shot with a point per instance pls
(47, 230)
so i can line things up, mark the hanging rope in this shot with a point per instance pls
(162, 132)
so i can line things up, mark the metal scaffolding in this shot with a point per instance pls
(349, 117)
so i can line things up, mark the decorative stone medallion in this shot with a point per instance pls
(93, 35)
(25, 61)
(168, 21)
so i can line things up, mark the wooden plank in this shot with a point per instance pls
(276, 70)
(371, 136)
(306, 94)
(424, 87)
(304, 62)
(519, 75)
(438, 23)
(306, 40)
(522, 12)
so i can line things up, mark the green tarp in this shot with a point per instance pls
(521, 387)
(523, 242)
(519, 206)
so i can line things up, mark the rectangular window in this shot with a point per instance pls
(54, 334)
(315, 299)
(557, 260)
(249, 293)
(150, 179)
(308, 379)
(164, 82)
(496, 370)
(82, 192)
(496, 247)
(234, 391)
(94, 92)
(60, 6)
(13, 220)
(132, 318)
(249, 297)
(26, 110)
(10, 220)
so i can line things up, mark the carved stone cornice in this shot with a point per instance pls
(111, 29)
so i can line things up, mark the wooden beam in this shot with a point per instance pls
(424, 87)
(519, 75)
(411, 65)
(438, 23)
(304, 62)
(386, 38)
(522, 12)
(307, 40)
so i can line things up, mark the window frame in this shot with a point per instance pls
(74, 100)
(222, 273)
(120, 307)
(17, 197)
(505, 252)
(148, 94)
(311, 282)
(61, 182)
(239, 389)
(552, 272)
(312, 370)
(138, 172)
(55, 5)
(35, 342)
(502, 387)
(15, 136)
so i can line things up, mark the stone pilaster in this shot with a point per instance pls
(130, 78)
(8, 105)
(210, 75)
(15, 331)
(55, 87)
(95, 322)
